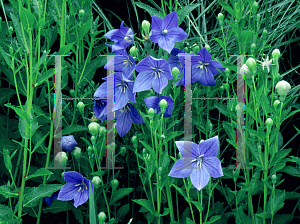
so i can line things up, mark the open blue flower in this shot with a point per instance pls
(49, 200)
(68, 143)
(165, 32)
(174, 60)
(152, 73)
(199, 162)
(203, 68)
(100, 101)
(122, 88)
(123, 37)
(77, 188)
(124, 63)
(153, 102)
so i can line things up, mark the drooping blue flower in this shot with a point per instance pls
(49, 200)
(123, 37)
(199, 162)
(122, 88)
(153, 102)
(100, 101)
(68, 143)
(174, 60)
(152, 73)
(165, 32)
(123, 63)
(203, 68)
(77, 188)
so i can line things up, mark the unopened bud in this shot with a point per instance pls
(175, 73)
(276, 102)
(283, 88)
(265, 34)
(253, 48)
(133, 51)
(276, 54)
(254, 7)
(80, 107)
(163, 104)
(146, 25)
(258, 17)
(221, 19)
(93, 140)
(151, 113)
(207, 47)
(123, 151)
(114, 184)
(72, 92)
(96, 181)
(101, 217)
(269, 123)
(227, 72)
(102, 130)
(274, 178)
(134, 141)
(90, 150)
(81, 12)
(62, 158)
(251, 63)
(76, 152)
(94, 128)
(11, 29)
(245, 72)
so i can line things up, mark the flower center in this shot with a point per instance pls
(128, 62)
(156, 72)
(128, 38)
(125, 109)
(198, 160)
(165, 31)
(123, 86)
(82, 186)
(202, 65)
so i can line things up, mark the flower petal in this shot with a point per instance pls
(199, 178)
(213, 166)
(156, 23)
(177, 34)
(135, 115)
(121, 98)
(159, 84)
(131, 95)
(210, 147)
(143, 82)
(181, 169)
(123, 123)
(214, 65)
(170, 21)
(166, 43)
(73, 177)
(155, 36)
(81, 197)
(67, 192)
(204, 55)
(114, 35)
(145, 64)
(207, 78)
(185, 147)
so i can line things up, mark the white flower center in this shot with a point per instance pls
(82, 186)
(156, 72)
(202, 65)
(165, 31)
(199, 161)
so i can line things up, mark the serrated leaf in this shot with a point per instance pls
(278, 201)
(185, 11)
(279, 156)
(27, 18)
(7, 193)
(43, 190)
(150, 10)
(20, 36)
(66, 49)
(85, 28)
(146, 204)
(45, 76)
(213, 219)
(291, 171)
(6, 57)
(5, 210)
(220, 42)
(7, 159)
(120, 194)
(39, 173)
(74, 128)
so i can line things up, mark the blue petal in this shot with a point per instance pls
(145, 64)
(210, 147)
(81, 197)
(199, 177)
(121, 98)
(177, 34)
(166, 43)
(135, 116)
(170, 21)
(159, 84)
(123, 123)
(156, 23)
(155, 36)
(131, 95)
(73, 177)
(192, 151)
(114, 35)
(143, 82)
(181, 169)
(213, 166)
(214, 65)
(204, 55)
(67, 192)
(207, 78)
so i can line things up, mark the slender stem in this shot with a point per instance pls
(191, 208)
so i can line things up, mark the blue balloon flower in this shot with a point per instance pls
(49, 200)
(153, 102)
(77, 188)
(199, 162)
(68, 143)
(165, 32)
(152, 73)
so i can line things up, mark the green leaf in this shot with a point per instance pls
(21, 113)
(254, 181)
(256, 133)
(41, 61)
(186, 10)
(74, 128)
(180, 191)
(149, 148)
(198, 205)
(278, 201)
(172, 135)
(66, 49)
(33, 126)
(291, 171)
(220, 42)
(85, 28)
(39, 173)
(123, 211)
(165, 160)
(40, 141)
(253, 149)
(44, 190)
(146, 204)
(213, 219)
(45, 76)
(228, 8)
(57, 206)
(120, 194)
(6, 57)
(7, 159)
(92, 206)
(279, 156)
(20, 36)
(27, 18)
(7, 193)
(189, 221)
(41, 23)
(241, 217)
(5, 210)
(150, 10)
(78, 214)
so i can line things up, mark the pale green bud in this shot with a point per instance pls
(133, 51)
(80, 106)
(62, 158)
(101, 217)
(96, 181)
(274, 178)
(227, 72)
(245, 72)
(265, 34)
(81, 12)
(11, 29)
(258, 17)
(253, 48)
(221, 19)
(151, 113)
(254, 7)
(114, 184)
(276, 102)
(163, 104)
(251, 63)
(207, 47)
(72, 92)
(93, 140)
(76, 152)
(175, 73)
(283, 88)
(269, 123)
(134, 141)
(145, 25)
(90, 150)
(123, 151)
(94, 128)
(102, 130)
(276, 54)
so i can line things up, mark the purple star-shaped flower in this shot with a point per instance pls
(77, 188)
(174, 60)
(203, 68)
(153, 102)
(49, 200)
(123, 91)
(100, 101)
(165, 32)
(68, 143)
(152, 73)
(124, 63)
(123, 37)
(199, 162)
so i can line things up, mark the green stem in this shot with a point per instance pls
(191, 208)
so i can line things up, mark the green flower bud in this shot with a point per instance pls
(114, 184)
(151, 113)
(163, 104)
(134, 141)
(254, 7)
(259, 148)
(162, 137)
(283, 88)
(196, 49)
(186, 49)
(274, 178)
(96, 181)
(225, 85)
(269, 123)
(253, 48)
(276, 102)
(276, 54)
(221, 89)
(159, 171)
(265, 34)
(94, 128)
(72, 92)
(144, 152)
(11, 30)
(207, 47)
(102, 130)
(227, 72)
(76, 152)
(62, 158)
(81, 12)
(90, 150)
(221, 19)
(133, 51)
(93, 140)
(240, 109)
(258, 17)
(123, 151)
(251, 63)
(146, 25)
(245, 72)
(175, 73)
(80, 107)
(101, 217)
(11, 50)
